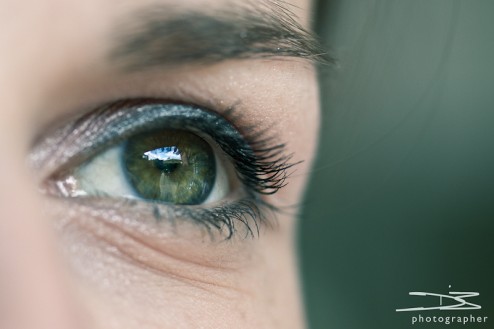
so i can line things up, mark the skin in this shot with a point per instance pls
(64, 267)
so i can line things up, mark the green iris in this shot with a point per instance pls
(172, 166)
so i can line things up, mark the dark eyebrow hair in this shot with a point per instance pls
(160, 37)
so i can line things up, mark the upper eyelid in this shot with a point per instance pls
(77, 134)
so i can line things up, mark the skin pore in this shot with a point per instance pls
(69, 263)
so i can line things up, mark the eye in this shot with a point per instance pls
(171, 166)
(179, 160)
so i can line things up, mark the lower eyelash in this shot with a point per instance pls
(248, 212)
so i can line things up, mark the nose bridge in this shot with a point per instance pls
(33, 282)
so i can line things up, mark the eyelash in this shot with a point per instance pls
(260, 164)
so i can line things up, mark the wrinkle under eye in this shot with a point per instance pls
(170, 166)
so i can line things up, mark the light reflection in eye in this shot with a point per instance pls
(163, 154)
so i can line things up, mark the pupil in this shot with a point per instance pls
(167, 166)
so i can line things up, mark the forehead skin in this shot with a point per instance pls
(56, 65)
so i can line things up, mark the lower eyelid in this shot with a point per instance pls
(239, 214)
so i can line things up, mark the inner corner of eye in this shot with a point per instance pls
(166, 166)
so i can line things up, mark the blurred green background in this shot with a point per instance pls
(402, 194)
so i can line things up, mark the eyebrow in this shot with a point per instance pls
(161, 37)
